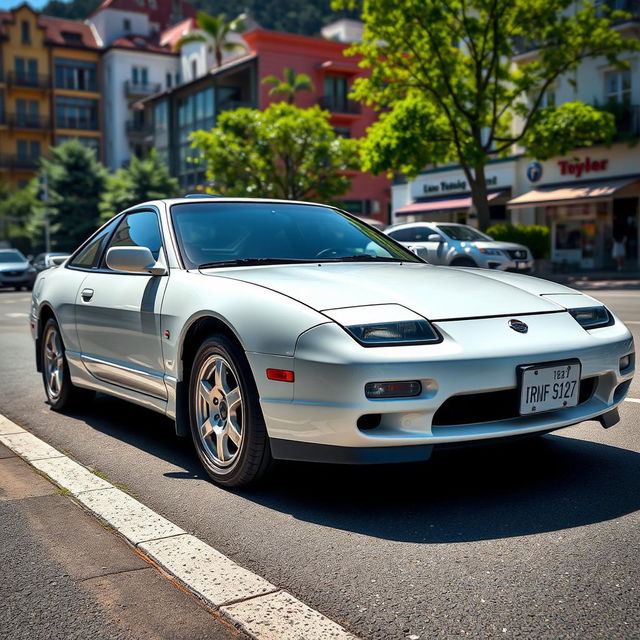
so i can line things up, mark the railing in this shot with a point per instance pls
(27, 121)
(339, 105)
(26, 79)
(627, 117)
(138, 128)
(141, 89)
(19, 162)
(71, 122)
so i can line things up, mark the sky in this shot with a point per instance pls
(9, 4)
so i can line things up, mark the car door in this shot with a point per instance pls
(417, 235)
(118, 313)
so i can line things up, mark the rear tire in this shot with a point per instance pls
(463, 262)
(226, 421)
(61, 392)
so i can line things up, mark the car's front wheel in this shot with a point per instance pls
(226, 420)
(61, 392)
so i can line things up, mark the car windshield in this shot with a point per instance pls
(462, 233)
(241, 233)
(11, 256)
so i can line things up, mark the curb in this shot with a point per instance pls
(251, 603)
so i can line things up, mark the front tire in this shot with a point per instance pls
(61, 392)
(227, 425)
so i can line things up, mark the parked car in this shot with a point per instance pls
(15, 270)
(328, 342)
(459, 245)
(47, 260)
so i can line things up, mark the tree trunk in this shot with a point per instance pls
(479, 197)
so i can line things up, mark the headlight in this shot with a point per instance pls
(491, 252)
(387, 333)
(592, 317)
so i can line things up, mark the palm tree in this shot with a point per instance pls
(290, 83)
(216, 32)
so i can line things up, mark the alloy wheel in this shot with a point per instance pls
(53, 363)
(219, 411)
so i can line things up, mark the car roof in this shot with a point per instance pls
(424, 223)
(207, 198)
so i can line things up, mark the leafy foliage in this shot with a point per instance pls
(216, 31)
(281, 152)
(17, 212)
(76, 182)
(144, 179)
(294, 16)
(290, 83)
(536, 237)
(443, 68)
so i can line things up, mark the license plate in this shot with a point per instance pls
(546, 387)
(521, 265)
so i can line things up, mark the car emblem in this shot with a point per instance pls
(519, 326)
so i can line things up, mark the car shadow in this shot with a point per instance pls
(526, 487)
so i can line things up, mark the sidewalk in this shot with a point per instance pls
(65, 575)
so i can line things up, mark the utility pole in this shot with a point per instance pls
(43, 196)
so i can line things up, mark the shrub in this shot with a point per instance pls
(535, 236)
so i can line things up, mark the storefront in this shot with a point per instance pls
(444, 195)
(589, 200)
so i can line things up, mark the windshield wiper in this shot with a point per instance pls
(244, 262)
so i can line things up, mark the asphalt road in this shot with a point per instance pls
(534, 540)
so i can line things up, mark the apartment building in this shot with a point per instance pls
(208, 90)
(49, 89)
(587, 197)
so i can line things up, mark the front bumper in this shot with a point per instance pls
(476, 356)
(503, 263)
(23, 280)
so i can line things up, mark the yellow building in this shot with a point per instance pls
(49, 89)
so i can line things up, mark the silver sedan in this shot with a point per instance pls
(287, 330)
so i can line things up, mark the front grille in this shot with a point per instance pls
(471, 408)
(517, 254)
(12, 274)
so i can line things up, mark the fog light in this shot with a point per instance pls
(626, 362)
(406, 389)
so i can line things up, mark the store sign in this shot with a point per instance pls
(580, 167)
(453, 186)
(534, 171)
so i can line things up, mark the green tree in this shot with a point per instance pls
(18, 209)
(281, 152)
(290, 83)
(144, 179)
(216, 32)
(76, 180)
(442, 71)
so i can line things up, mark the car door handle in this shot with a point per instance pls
(86, 294)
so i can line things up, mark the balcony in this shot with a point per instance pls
(140, 89)
(29, 80)
(27, 121)
(627, 117)
(27, 163)
(138, 130)
(340, 105)
(74, 122)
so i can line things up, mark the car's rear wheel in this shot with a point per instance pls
(463, 262)
(227, 425)
(61, 392)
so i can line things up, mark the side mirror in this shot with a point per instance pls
(57, 260)
(134, 260)
(435, 237)
(421, 252)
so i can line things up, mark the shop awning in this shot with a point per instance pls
(430, 206)
(570, 194)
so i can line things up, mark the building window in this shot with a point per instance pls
(75, 74)
(169, 80)
(126, 25)
(343, 132)
(25, 32)
(618, 87)
(139, 76)
(2, 114)
(336, 89)
(27, 113)
(194, 69)
(76, 113)
(153, 5)
(27, 71)
(28, 149)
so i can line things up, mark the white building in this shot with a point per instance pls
(587, 197)
(139, 60)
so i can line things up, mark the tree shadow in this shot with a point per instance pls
(526, 487)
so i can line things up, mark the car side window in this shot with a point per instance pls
(139, 229)
(402, 235)
(89, 255)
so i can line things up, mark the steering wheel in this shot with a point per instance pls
(326, 253)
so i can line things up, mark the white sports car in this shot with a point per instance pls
(288, 330)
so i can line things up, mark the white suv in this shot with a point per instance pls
(459, 245)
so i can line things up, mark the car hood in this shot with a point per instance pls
(437, 293)
(13, 266)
